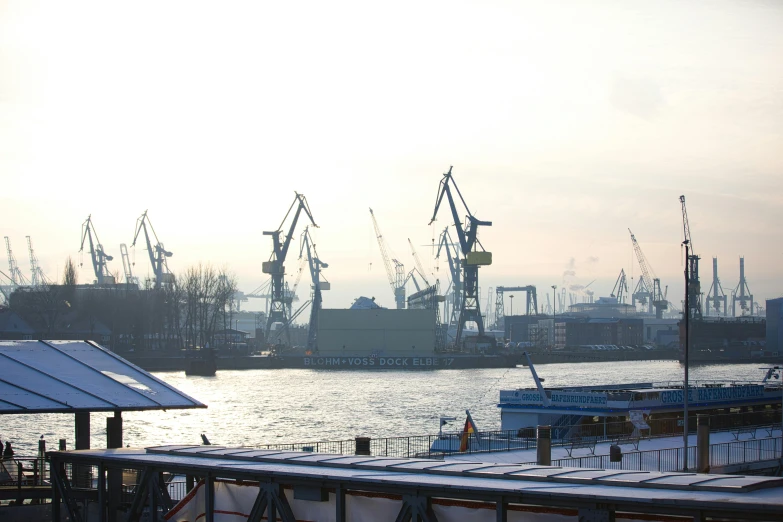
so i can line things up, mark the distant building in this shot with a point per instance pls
(13, 327)
(775, 325)
(619, 332)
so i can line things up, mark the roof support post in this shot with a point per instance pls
(501, 510)
(339, 503)
(81, 473)
(102, 493)
(209, 497)
(272, 497)
(415, 508)
(63, 490)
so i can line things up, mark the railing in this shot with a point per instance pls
(494, 441)
(671, 459)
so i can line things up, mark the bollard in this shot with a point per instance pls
(62, 445)
(544, 445)
(362, 445)
(702, 443)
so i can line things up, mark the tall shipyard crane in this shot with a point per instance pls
(97, 254)
(15, 275)
(653, 284)
(417, 261)
(691, 268)
(620, 290)
(470, 309)
(397, 275)
(455, 271)
(315, 264)
(715, 295)
(157, 253)
(127, 266)
(278, 312)
(38, 277)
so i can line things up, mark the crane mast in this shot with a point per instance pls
(157, 253)
(127, 266)
(455, 272)
(16, 276)
(653, 284)
(315, 264)
(472, 259)
(396, 275)
(691, 268)
(98, 256)
(620, 289)
(278, 306)
(417, 262)
(38, 277)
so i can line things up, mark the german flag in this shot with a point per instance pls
(467, 431)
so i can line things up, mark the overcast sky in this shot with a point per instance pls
(566, 122)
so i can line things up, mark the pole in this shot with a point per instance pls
(687, 313)
(554, 310)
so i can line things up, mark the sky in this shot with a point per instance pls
(566, 124)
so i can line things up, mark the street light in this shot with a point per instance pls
(512, 305)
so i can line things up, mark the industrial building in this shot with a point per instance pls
(378, 331)
(620, 332)
(775, 325)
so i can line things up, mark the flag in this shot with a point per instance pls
(467, 431)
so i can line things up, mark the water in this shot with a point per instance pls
(251, 407)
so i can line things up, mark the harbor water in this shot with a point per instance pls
(254, 407)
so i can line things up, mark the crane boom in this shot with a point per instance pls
(127, 266)
(653, 284)
(468, 239)
(397, 274)
(418, 263)
(38, 277)
(455, 271)
(692, 267)
(16, 275)
(620, 287)
(278, 313)
(157, 253)
(98, 256)
(315, 264)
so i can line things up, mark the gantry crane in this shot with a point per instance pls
(691, 268)
(15, 275)
(620, 289)
(455, 271)
(97, 254)
(653, 284)
(472, 259)
(315, 264)
(157, 253)
(397, 274)
(715, 295)
(38, 277)
(278, 312)
(531, 301)
(742, 294)
(130, 279)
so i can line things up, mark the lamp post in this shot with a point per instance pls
(512, 305)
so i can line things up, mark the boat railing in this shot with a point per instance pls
(435, 446)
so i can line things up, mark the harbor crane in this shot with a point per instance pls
(620, 289)
(97, 254)
(417, 261)
(38, 278)
(653, 284)
(742, 294)
(396, 275)
(157, 253)
(278, 307)
(7, 289)
(470, 309)
(15, 275)
(715, 295)
(455, 271)
(531, 300)
(315, 264)
(127, 266)
(691, 269)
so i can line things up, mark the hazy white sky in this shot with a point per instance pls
(566, 122)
